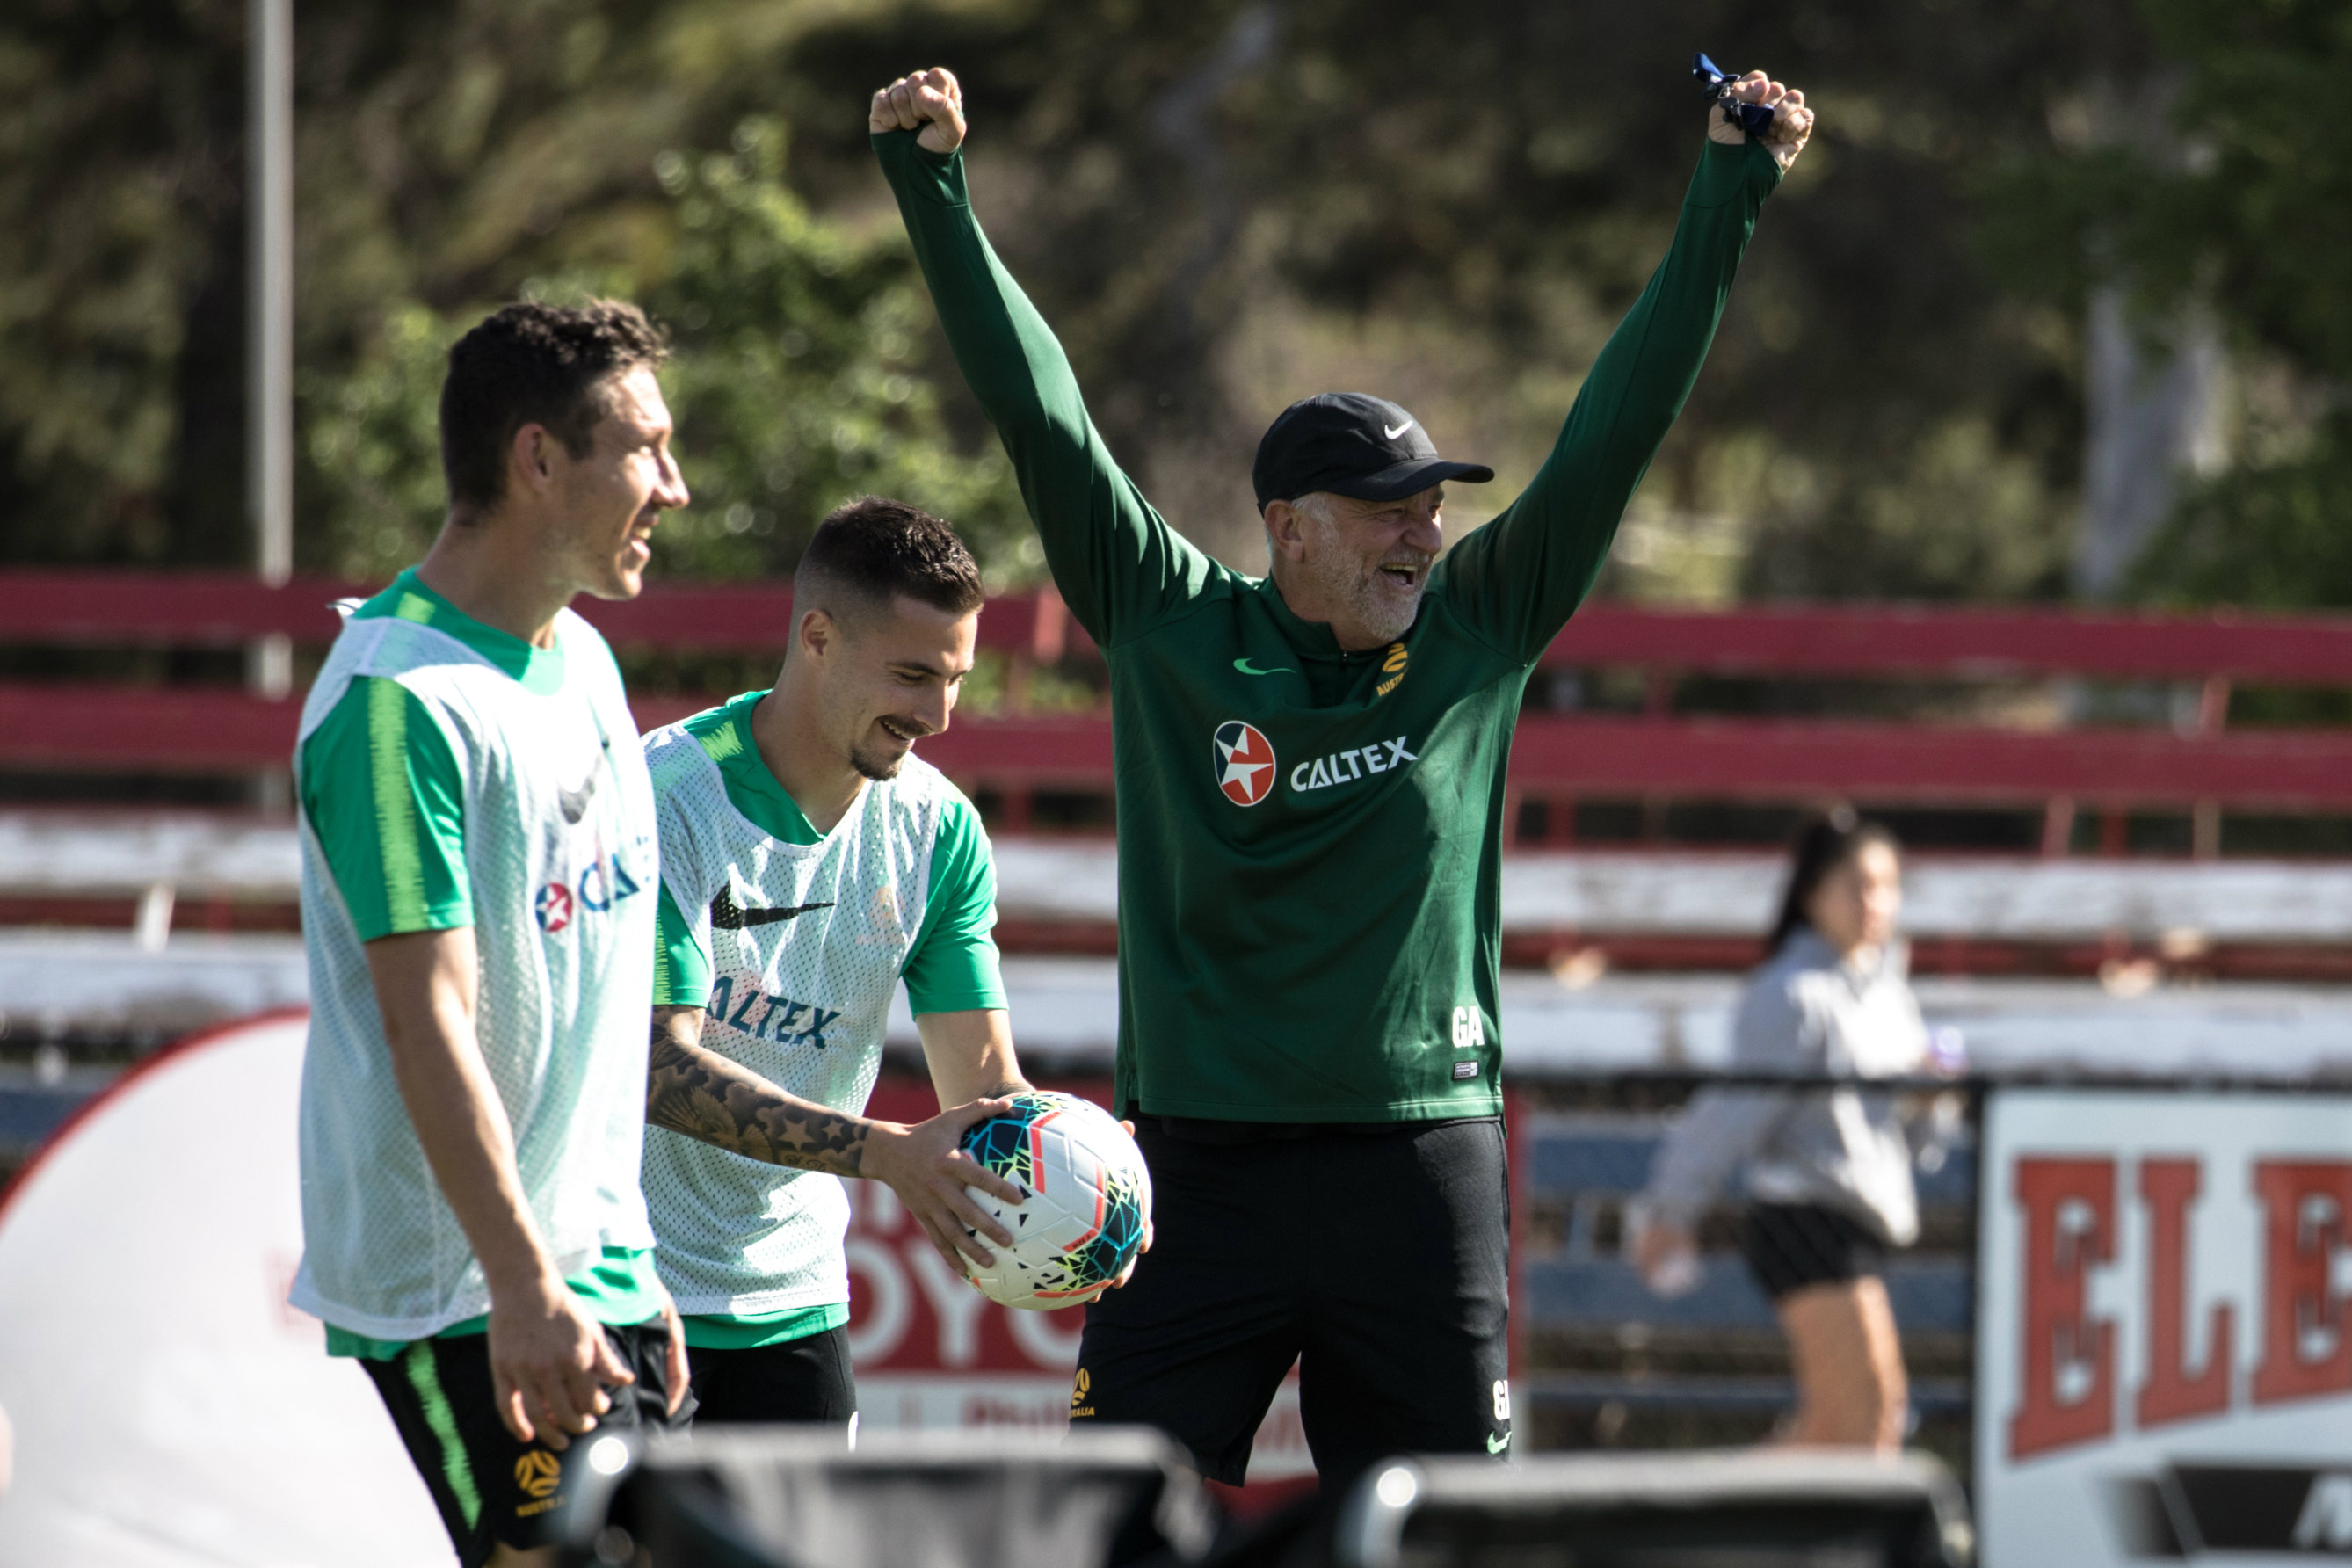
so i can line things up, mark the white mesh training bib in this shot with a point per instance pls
(806, 942)
(560, 855)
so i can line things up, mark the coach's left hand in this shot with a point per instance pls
(1793, 123)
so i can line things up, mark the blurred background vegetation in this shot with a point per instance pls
(1220, 207)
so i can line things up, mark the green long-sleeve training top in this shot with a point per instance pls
(1310, 840)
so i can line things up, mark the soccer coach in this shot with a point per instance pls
(1310, 771)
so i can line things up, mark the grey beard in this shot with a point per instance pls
(1375, 609)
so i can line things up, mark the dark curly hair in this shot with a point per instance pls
(530, 364)
(870, 552)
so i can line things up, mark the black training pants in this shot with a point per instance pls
(1379, 1258)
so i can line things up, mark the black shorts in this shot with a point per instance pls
(1791, 1245)
(1377, 1258)
(491, 1489)
(807, 1378)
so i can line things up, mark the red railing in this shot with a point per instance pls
(2203, 768)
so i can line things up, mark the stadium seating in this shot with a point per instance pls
(2194, 762)
(1591, 1162)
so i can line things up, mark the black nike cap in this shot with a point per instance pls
(1352, 444)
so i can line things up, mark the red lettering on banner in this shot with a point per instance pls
(2306, 1333)
(2068, 1357)
(2168, 1187)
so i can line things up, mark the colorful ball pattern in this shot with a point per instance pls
(1089, 1200)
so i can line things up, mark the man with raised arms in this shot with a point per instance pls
(1310, 770)
(477, 904)
(809, 862)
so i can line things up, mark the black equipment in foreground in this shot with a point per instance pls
(798, 1497)
(1750, 1509)
(1755, 119)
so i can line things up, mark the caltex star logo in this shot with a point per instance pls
(1245, 761)
(554, 907)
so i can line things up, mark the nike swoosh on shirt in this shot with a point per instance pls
(1497, 1445)
(574, 802)
(1400, 430)
(727, 916)
(1243, 666)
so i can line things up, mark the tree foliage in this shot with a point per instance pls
(1462, 199)
(2217, 179)
(796, 383)
(119, 200)
(1220, 208)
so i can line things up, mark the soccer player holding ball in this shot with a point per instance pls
(809, 861)
(1310, 772)
(477, 904)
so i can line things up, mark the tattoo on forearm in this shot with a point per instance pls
(684, 1094)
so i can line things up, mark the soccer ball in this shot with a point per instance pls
(1089, 1200)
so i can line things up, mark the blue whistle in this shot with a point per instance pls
(1755, 119)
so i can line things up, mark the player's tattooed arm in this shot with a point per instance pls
(696, 1092)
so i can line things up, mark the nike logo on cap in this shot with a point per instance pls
(1400, 430)
(1243, 666)
(727, 916)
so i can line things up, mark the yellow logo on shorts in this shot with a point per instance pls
(538, 1473)
(1079, 1406)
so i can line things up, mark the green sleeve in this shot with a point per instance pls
(1516, 581)
(681, 958)
(953, 967)
(1120, 567)
(387, 803)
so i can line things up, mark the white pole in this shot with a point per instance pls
(270, 376)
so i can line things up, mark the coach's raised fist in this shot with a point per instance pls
(1793, 123)
(930, 101)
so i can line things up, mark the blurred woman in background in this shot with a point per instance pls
(1828, 1170)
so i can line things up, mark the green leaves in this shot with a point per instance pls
(796, 385)
(799, 383)
(2278, 536)
(2221, 177)
(372, 438)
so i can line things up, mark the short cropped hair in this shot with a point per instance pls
(530, 364)
(867, 554)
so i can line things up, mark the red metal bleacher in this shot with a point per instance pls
(99, 727)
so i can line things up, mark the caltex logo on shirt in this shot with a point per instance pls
(1244, 760)
(553, 906)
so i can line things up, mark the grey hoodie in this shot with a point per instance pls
(1806, 1013)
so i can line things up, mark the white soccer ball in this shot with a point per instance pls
(1089, 1198)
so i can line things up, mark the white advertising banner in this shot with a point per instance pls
(2164, 1338)
(172, 1411)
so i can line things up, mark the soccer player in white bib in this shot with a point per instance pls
(479, 864)
(809, 862)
